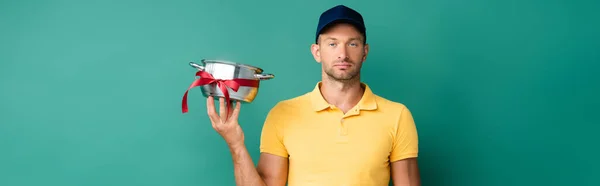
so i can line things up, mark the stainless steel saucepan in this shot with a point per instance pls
(220, 69)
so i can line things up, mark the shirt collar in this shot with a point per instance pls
(367, 102)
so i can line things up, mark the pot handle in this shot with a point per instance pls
(264, 76)
(197, 66)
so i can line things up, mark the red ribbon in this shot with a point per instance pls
(206, 78)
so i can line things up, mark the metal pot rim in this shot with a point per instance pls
(256, 69)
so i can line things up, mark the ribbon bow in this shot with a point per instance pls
(206, 78)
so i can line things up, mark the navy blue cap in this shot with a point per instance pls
(344, 14)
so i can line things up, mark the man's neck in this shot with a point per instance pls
(344, 95)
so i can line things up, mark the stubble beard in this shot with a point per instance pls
(349, 76)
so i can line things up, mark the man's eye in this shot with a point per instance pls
(331, 44)
(353, 44)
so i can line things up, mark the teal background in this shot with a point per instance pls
(503, 92)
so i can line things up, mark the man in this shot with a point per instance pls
(338, 134)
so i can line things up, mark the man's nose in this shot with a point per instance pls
(342, 53)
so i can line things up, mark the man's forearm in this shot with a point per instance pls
(244, 169)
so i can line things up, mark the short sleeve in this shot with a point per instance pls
(406, 143)
(271, 139)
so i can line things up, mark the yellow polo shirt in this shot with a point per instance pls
(327, 147)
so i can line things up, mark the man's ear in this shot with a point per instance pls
(314, 49)
(366, 52)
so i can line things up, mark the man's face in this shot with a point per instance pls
(341, 51)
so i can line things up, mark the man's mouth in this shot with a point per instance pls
(343, 64)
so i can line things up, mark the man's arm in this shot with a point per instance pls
(406, 172)
(405, 169)
(273, 163)
(271, 171)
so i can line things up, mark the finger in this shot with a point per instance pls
(231, 110)
(236, 111)
(222, 108)
(210, 109)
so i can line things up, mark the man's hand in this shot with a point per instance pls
(228, 128)
(244, 169)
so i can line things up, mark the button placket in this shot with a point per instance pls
(343, 127)
(343, 131)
